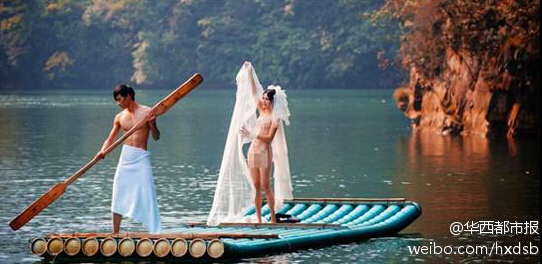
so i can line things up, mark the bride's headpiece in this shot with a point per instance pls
(280, 104)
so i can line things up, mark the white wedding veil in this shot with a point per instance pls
(234, 190)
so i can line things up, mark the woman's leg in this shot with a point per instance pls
(265, 175)
(255, 176)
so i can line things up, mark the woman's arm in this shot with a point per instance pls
(252, 82)
(271, 134)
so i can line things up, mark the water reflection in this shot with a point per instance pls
(469, 178)
(449, 172)
(341, 144)
(443, 151)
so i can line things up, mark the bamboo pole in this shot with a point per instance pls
(126, 247)
(197, 248)
(72, 246)
(179, 247)
(144, 247)
(55, 246)
(108, 246)
(38, 246)
(161, 248)
(90, 246)
(215, 248)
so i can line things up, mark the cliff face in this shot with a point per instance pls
(459, 102)
(473, 66)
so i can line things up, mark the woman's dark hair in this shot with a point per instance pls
(123, 90)
(270, 94)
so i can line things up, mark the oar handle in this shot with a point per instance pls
(80, 172)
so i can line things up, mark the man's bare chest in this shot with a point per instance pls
(127, 121)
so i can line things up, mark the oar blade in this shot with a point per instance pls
(38, 205)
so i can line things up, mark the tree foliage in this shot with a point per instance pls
(473, 64)
(155, 44)
(501, 37)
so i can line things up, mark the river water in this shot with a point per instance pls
(342, 143)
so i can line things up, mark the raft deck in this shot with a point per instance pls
(324, 222)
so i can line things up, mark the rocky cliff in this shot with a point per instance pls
(474, 65)
(460, 102)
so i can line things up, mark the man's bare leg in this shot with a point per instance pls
(117, 218)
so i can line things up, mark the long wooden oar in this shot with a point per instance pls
(57, 190)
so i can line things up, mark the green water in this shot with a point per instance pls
(342, 143)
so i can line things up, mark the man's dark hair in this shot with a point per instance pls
(123, 90)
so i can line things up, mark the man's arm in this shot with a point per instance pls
(152, 125)
(111, 138)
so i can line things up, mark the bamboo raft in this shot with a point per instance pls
(324, 222)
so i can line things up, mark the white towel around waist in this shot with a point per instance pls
(134, 193)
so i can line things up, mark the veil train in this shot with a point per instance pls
(234, 191)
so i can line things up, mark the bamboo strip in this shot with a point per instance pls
(323, 213)
(347, 200)
(371, 213)
(335, 216)
(283, 225)
(309, 211)
(213, 235)
(297, 209)
(354, 214)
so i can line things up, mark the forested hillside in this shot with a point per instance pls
(157, 44)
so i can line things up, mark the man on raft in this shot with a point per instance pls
(134, 193)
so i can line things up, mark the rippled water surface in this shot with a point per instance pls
(341, 143)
